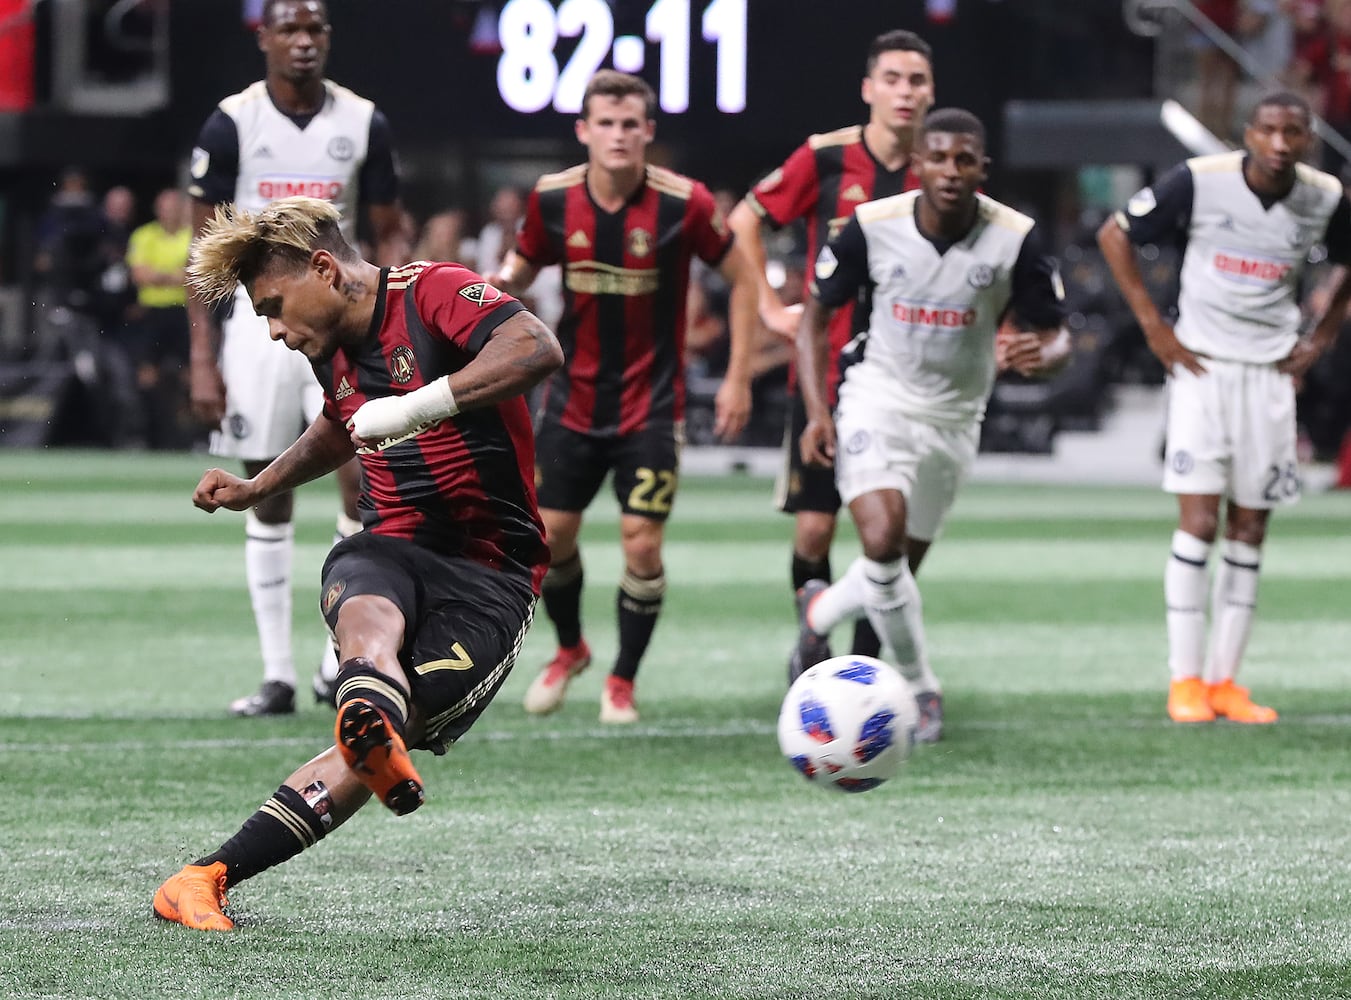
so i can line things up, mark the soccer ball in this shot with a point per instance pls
(848, 723)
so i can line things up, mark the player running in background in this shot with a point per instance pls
(946, 267)
(426, 364)
(625, 232)
(1248, 220)
(291, 133)
(824, 180)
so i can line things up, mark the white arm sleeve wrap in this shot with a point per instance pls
(394, 416)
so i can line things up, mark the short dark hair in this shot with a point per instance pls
(270, 10)
(955, 120)
(898, 40)
(1282, 99)
(612, 83)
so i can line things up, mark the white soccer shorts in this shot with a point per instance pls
(1231, 433)
(878, 448)
(271, 394)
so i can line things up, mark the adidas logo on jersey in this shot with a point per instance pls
(579, 240)
(854, 192)
(344, 389)
(262, 153)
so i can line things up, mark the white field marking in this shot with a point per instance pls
(740, 727)
(743, 727)
(1020, 561)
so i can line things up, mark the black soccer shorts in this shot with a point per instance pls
(571, 466)
(803, 487)
(464, 624)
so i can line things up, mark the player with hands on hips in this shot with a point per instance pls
(1249, 221)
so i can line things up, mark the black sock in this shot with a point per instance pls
(359, 678)
(866, 642)
(809, 569)
(282, 827)
(562, 593)
(638, 603)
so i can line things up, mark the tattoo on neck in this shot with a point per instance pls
(353, 289)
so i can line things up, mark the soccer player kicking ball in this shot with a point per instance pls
(1249, 220)
(423, 369)
(947, 267)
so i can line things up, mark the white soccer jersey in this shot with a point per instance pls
(277, 157)
(1244, 253)
(935, 309)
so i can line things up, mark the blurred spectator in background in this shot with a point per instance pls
(116, 297)
(505, 213)
(1323, 68)
(157, 337)
(1267, 32)
(69, 236)
(1216, 72)
(442, 238)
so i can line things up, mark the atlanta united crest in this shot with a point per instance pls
(402, 365)
(332, 594)
(640, 242)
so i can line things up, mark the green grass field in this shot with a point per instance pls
(1063, 841)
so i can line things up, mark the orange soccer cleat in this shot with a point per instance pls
(546, 692)
(1230, 701)
(377, 755)
(1187, 701)
(194, 898)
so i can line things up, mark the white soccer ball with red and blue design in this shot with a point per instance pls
(848, 723)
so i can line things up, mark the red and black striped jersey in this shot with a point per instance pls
(464, 486)
(625, 277)
(823, 181)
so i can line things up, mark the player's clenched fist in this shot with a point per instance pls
(219, 488)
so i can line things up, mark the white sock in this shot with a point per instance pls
(328, 660)
(1184, 595)
(1233, 601)
(269, 550)
(892, 603)
(842, 601)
